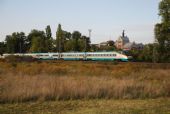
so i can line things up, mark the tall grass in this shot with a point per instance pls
(82, 80)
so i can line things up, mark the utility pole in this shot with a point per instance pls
(90, 30)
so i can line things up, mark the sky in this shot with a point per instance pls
(106, 18)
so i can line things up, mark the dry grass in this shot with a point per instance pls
(59, 80)
(95, 106)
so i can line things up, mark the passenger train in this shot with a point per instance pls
(94, 56)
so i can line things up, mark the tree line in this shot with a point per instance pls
(41, 41)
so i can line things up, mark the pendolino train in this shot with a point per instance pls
(93, 56)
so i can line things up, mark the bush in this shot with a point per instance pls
(13, 59)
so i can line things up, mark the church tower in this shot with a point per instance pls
(122, 40)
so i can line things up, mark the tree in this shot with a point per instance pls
(22, 42)
(59, 39)
(2, 48)
(162, 32)
(68, 42)
(49, 40)
(16, 43)
(10, 44)
(69, 45)
(66, 35)
(37, 41)
(48, 32)
(94, 48)
(37, 45)
(86, 41)
(76, 35)
(164, 10)
(144, 55)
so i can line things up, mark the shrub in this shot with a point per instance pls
(13, 58)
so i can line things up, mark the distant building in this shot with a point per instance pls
(121, 41)
(96, 45)
(102, 44)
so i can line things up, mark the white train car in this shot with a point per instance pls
(106, 56)
(73, 56)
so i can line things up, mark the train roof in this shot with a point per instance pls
(110, 52)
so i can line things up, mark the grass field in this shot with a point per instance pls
(96, 106)
(77, 87)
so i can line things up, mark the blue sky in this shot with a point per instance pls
(106, 18)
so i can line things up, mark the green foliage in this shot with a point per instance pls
(162, 32)
(77, 42)
(85, 43)
(76, 35)
(49, 40)
(94, 48)
(145, 55)
(60, 39)
(16, 43)
(107, 48)
(164, 10)
(69, 45)
(37, 45)
(38, 41)
(2, 48)
(48, 32)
